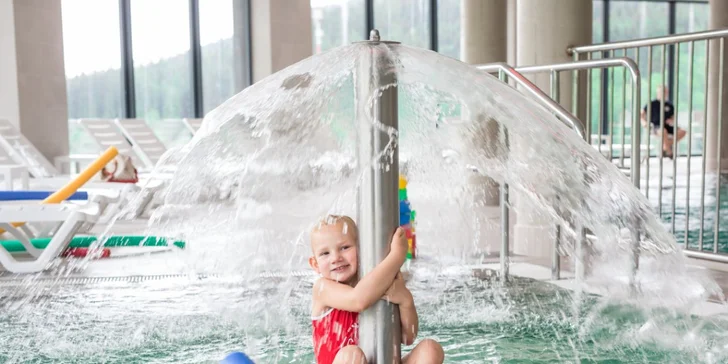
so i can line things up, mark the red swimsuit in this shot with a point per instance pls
(332, 331)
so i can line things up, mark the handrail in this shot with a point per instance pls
(629, 64)
(559, 110)
(668, 39)
(568, 118)
(712, 62)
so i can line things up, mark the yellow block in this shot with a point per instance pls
(71, 187)
(402, 182)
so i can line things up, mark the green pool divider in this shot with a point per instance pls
(14, 246)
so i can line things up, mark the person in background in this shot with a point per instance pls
(672, 134)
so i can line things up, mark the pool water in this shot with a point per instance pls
(180, 319)
(688, 206)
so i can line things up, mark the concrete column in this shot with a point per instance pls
(544, 31)
(718, 20)
(241, 45)
(484, 35)
(9, 105)
(484, 39)
(512, 25)
(280, 34)
(32, 73)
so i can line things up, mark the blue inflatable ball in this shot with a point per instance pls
(236, 358)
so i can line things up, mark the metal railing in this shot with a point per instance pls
(577, 67)
(707, 47)
(505, 73)
(503, 69)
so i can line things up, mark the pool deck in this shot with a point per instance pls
(540, 270)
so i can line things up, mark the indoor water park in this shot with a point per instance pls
(363, 181)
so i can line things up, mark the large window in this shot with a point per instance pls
(336, 23)
(162, 59)
(92, 57)
(448, 28)
(218, 55)
(406, 21)
(637, 19)
(162, 65)
(598, 21)
(643, 19)
(691, 17)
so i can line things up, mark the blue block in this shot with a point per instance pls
(236, 358)
(36, 195)
(405, 212)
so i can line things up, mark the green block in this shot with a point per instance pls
(402, 194)
(14, 246)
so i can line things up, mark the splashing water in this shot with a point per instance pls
(272, 160)
(283, 153)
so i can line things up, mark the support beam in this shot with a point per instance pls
(378, 199)
(716, 135)
(32, 73)
(544, 31)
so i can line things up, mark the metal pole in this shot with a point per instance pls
(196, 52)
(716, 231)
(377, 200)
(704, 150)
(668, 39)
(691, 55)
(505, 222)
(504, 255)
(127, 62)
(555, 259)
(635, 163)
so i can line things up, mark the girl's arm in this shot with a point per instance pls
(370, 288)
(400, 295)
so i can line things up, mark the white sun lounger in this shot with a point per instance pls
(105, 134)
(71, 218)
(192, 124)
(19, 158)
(146, 143)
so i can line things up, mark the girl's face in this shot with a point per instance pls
(335, 253)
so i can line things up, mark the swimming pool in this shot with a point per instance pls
(184, 319)
(688, 207)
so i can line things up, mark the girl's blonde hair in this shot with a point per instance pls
(347, 221)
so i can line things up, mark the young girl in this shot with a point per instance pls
(338, 296)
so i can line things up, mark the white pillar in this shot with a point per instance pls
(484, 36)
(280, 33)
(484, 39)
(32, 74)
(718, 20)
(545, 29)
(9, 104)
(512, 26)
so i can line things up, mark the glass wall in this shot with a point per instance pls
(637, 19)
(406, 21)
(691, 17)
(337, 22)
(162, 64)
(640, 19)
(92, 57)
(163, 70)
(218, 56)
(448, 28)
(162, 59)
